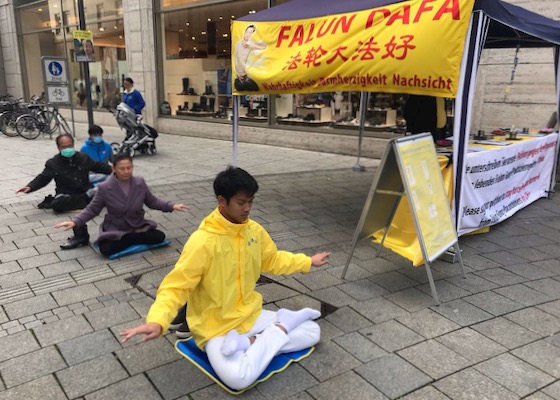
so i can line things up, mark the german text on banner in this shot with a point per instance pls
(499, 182)
(409, 47)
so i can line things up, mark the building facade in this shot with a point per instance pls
(178, 52)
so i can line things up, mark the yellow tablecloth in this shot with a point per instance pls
(402, 237)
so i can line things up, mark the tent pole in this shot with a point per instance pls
(364, 99)
(235, 126)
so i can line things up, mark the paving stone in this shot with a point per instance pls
(116, 329)
(434, 359)
(178, 378)
(76, 294)
(346, 386)
(500, 276)
(34, 305)
(536, 320)
(60, 268)
(347, 320)
(328, 330)
(392, 375)
(3, 316)
(411, 299)
(109, 316)
(504, 257)
(214, 392)
(473, 283)
(461, 312)
(552, 265)
(62, 330)
(129, 389)
(550, 287)
(446, 291)
(426, 393)
(393, 281)
(505, 332)
(37, 261)
(472, 345)
(478, 262)
(145, 356)
(15, 329)
(362, 289)
(90, 376)
(18, 254)
(142, 305)
(290, 382)
(493, 303)
(333, 296)
(539, 396)
(60, 310)
(428, 323)
(360, 347)
(33, 324)
(379, 309)
(329, 360)
(552, 308)
(470, 384)
(319, 280)
(9, 267)
(45, 387)
(391, 335)
(31, 366)
(89, 346)
(273, 292)
(528, 271)
(542, 355)
(514, 374)
(523, 295)
(299, 302)
(20, 278)
(553, 390)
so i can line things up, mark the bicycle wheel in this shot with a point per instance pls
(28, 127)
(8, 124)
(63, 124)
(48, 118)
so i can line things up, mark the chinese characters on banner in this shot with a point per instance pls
(414, 47)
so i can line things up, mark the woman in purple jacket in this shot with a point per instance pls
(124, 197)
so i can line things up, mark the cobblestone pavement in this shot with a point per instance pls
(495, 336)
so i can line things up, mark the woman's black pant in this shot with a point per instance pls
(108, 247)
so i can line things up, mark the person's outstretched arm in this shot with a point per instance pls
(92, 210)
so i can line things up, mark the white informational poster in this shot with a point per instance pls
(499, 182)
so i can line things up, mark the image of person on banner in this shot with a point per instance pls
(243, 48)
(89, 51)
(83, 50)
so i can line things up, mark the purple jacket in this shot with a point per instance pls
(124, 214)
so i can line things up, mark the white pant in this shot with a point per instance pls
(242, 369)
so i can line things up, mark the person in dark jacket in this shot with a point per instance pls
(98, 150)
(70, 171)
(132, 97)
(124, 224)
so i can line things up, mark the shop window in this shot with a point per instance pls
(46, 30)
(196, 59)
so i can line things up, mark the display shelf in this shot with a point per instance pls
(321, 114)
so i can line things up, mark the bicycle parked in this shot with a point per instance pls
(41, 120)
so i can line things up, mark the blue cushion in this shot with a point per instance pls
(136, 248)
(188, 349)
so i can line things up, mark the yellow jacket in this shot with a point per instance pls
(217, 274)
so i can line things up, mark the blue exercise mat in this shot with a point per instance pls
(136, 248)
(188, 349)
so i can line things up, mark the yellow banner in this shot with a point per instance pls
(409, 47)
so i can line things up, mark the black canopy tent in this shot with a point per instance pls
(493, 24)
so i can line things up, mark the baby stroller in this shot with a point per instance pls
(139, 136)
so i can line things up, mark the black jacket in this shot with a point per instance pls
(71, 174)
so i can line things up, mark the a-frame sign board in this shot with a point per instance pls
(410, 168)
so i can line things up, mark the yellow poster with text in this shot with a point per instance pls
(427, 196)
(409, 47)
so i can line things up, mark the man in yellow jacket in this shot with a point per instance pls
(217, 274)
